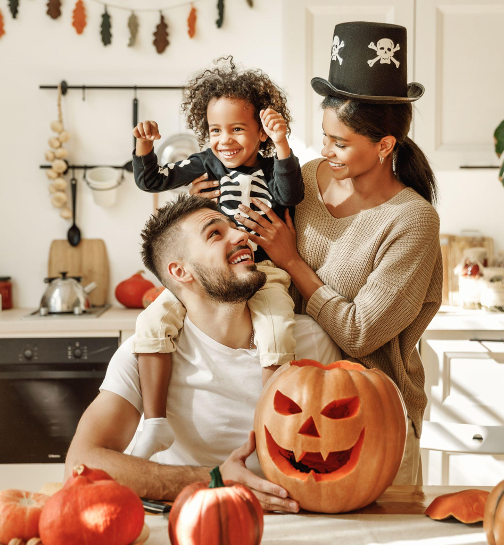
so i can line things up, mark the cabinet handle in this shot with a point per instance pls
(478, 438)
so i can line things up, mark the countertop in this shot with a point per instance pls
(396, 517)
(118, 319)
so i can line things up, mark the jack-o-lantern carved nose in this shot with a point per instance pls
(309, 428)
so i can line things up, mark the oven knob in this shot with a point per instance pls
(28, 354)
(77, 353)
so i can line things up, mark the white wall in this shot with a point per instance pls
(37, 50)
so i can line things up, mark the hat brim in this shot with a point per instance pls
(324, 88)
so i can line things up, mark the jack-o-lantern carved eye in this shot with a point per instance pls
(284, 405)
(341, 408)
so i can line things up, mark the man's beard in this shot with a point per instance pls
(227, 287)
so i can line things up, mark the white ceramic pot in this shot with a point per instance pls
(103, 181)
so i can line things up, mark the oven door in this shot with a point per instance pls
(40, 407)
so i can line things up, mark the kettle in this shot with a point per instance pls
(65, 294)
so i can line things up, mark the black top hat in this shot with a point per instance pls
(368, 63)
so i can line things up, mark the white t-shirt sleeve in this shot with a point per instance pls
(313, 343)
(122, 375)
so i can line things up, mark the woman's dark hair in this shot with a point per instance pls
(225, 80)
(374, 121)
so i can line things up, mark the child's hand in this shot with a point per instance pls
(274, 125)
(147, 130)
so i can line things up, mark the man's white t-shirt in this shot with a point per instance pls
(213, 390)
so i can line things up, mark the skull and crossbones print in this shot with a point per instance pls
(336, 46)
(385, 49)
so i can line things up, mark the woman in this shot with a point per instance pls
(367, 265)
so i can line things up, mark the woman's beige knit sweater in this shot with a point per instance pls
(382, 271)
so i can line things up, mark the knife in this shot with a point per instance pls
(156, 507)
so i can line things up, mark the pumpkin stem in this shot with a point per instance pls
(216, 481)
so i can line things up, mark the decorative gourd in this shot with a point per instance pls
(101, 512)
(332, 435)
(468, 506)
(19, 514)
(222, 512)
(493, 522)
(130, 292)
(151, 295)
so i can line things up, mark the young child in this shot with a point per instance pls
(244, 118)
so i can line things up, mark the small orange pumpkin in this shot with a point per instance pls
(468, 506)
(151, 295)
(129, 292)
(493, 522)
(101, 512)
(332, 435)
(216, 513)
(19, 514)
(93, 474)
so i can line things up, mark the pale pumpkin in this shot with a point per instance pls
(332, 435)
(216, 513)
(19, 514)
(468, 506)
(493, 522)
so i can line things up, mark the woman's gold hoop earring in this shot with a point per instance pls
(381, 160)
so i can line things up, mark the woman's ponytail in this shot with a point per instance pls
(413, 169)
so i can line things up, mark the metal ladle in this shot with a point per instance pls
(74, 234)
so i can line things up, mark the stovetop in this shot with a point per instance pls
(93, 312)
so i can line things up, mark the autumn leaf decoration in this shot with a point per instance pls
(105, 28)
(133, 28)
(79, 17)
(250, 3)
(161, 36)
(54, 8)
(191, 22)
(220, 9)
(13, 6)
(2, 30)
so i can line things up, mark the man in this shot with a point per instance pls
(216, 376)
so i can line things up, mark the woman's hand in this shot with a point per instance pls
(202, 183)
(277, 238)
(271, 496)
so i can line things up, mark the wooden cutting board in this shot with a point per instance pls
(452, 249)
(88, 260)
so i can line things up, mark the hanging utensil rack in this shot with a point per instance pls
(65, 87)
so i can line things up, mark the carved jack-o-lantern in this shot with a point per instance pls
(332, 435)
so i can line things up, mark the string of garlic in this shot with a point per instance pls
(56, 156)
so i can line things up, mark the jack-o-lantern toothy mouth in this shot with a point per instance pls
(336, 465)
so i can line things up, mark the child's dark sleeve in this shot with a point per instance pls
(151, 177)
(286, 184)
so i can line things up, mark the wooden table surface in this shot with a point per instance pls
(396, 500)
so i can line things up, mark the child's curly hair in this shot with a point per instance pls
(225, 80)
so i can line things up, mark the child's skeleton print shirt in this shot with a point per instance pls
(276, 182)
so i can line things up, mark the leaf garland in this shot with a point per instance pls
(161, 36)
(191, 22)
(133, 28)
(13, 6)
(54, 8)
(250, 3)
(106, 26)
(220, 9)
(79, 17)
(2, 29)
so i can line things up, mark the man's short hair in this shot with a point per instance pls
(162, 236)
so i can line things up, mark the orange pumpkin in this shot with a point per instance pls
(493, 522)
(216, 513)
(332, 435)
(129, 292)
(468, 506)
(19, 514)
(151, 295)
(101, 512)
(93, 474)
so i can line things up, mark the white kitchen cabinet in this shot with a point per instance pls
(464, 372)
(308, 27)
(458, 57)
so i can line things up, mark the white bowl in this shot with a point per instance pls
(104, 181)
